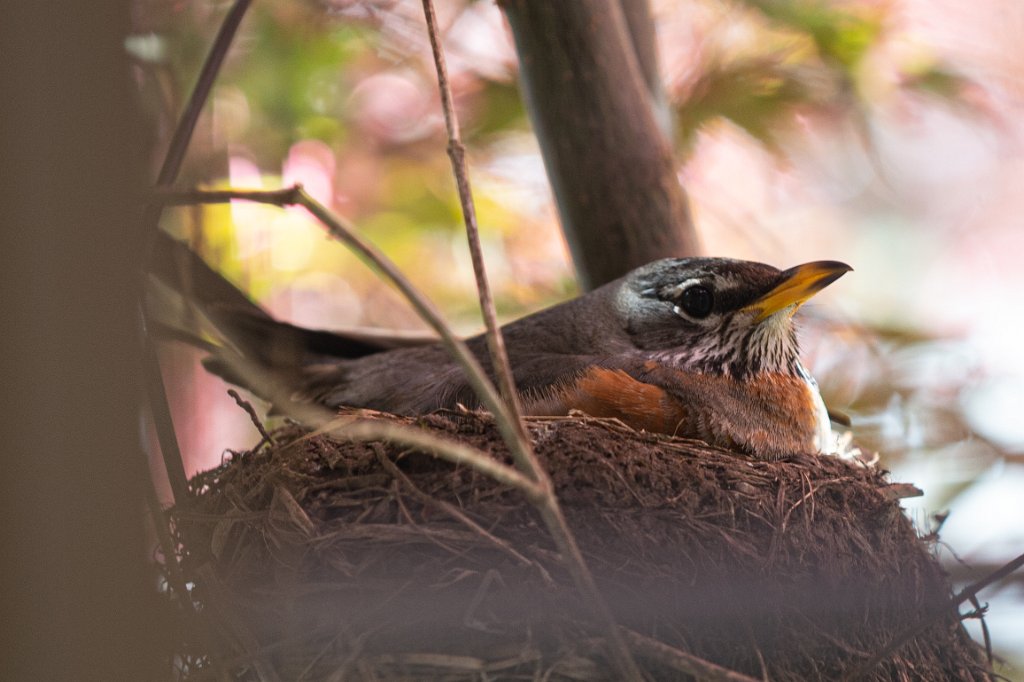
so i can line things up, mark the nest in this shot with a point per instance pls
(319, 559)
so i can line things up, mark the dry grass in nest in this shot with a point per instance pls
(318, 559)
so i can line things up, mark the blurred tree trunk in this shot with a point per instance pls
(590, 84)
(644, 39)
(78, 598)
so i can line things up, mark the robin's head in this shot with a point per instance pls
(720, 315)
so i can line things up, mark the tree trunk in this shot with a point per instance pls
(77, 594)
(645, 46)
(609, 164)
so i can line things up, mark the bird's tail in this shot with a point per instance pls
(286, 348)
(192, 303)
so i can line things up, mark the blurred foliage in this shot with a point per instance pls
(841, 36)
(293, 81)
(757, 94)
(809, 57)
(500, 109)
(346, 75)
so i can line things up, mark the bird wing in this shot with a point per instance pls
(618, 387)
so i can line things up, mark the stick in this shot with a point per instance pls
(974, 588)
(682, 661)
(455, 513)
(169, 448)
(200, 93)
(911, 631)
(325, 422)
(527, 462)
(160, 412)
(454, 452)
(457, 154)
(175, 579)
(289, 196)
(346, 233)
(253, 417)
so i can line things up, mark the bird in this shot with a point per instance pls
(700, 348)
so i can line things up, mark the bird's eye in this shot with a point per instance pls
(697, 301)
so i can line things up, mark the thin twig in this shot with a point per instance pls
(346, 233)
(752, 641)
(169, 448)
(457, 154)
(974, 588)
(452, 451)
(160, 413)
(548, 506)
(681, 661)
(507, 423)
(255, 418)
(554, 520)
(200, 93)
(287, 196)
(175, 578)
(986, 636)
(911, 631)
(456, 513)
(323, 421)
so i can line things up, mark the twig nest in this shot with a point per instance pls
(324, 559)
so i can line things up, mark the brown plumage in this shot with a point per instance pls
(765, 415)
(701, 347)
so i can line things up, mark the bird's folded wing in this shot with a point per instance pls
(609, 389)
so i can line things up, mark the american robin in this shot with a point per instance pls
(703, 348)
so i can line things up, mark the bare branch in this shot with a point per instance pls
(681, 661)
(200, 93)
(169, 447)
(974, 588)
(253, 417)
(288, 196)
(160, 413)
(347, 234)
(457, 154)
(907, 634)
(456, 453)
(554, 520)
(457, 514)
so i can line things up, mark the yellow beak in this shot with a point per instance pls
(798, 284)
